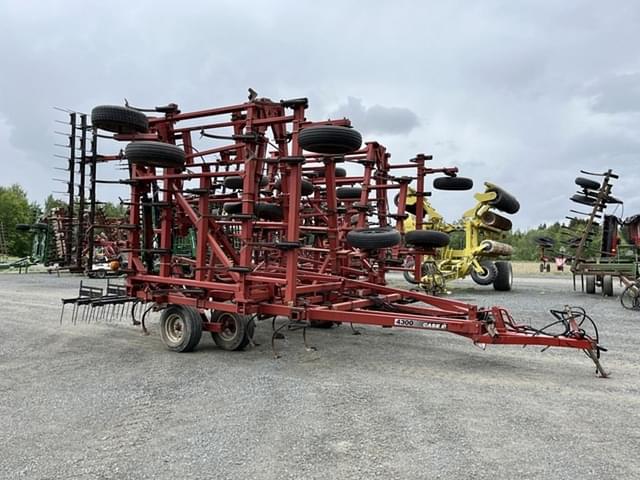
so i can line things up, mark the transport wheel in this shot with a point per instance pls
(487, 275)
(373, 238)
(236, 182)
(306, 187)
(237, 330)
(180, 328)
(117, 119)
(583, 200)
(590, 284)
(330, 139)
(155, 154)
(607, 286)
(504, 277)
(453, 183)
(587, 183)
(630, 297)
(350, 193)
(427, 238)
(542, 268)
(548, 267)
(504, 201)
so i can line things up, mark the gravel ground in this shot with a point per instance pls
(103, 401)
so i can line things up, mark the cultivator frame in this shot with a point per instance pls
(267, 249)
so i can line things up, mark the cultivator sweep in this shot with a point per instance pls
(281, 229)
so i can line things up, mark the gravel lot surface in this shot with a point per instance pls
(103, 401)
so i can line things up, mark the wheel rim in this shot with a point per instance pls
(229, 328)
(174, 328)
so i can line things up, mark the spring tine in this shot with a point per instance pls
(73, 313)
(61, 314)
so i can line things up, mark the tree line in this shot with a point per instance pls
(16, 209)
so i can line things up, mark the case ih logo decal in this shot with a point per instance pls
(405, 322)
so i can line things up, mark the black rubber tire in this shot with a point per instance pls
(630, 297)
(542, 268)
(590, 284)
(348, 193)
(548, 267)
(504, 201)
(373, 238)
(237, 183)
(330, 139)
(239, 332)
(504, 277)
(340, 172)
(427, 238)
(453, 183)
(117, 119)
(306, 187)
(584, 200)
(184, 335)
(268, 211)
(232, 208)
(607, 286)
(488, 275)
(155, 154)
(587, 183)
(23, 227)
(544, 241)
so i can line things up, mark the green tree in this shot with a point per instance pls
(14, 210)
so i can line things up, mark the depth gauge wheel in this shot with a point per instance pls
(590, 284)
(118, 119)
(155, 154)
(330, 139)
(373, 238)
(452, 183)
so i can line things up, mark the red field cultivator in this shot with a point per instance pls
(282, 229)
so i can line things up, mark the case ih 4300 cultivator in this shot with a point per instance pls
(282, 229)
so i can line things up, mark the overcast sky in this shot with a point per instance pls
(522, 94)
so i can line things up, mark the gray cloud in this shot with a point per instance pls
(523, 95)
(617, 94)
(377, 118)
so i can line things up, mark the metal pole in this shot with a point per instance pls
(72, 170)
(92, 197)
(83, 160)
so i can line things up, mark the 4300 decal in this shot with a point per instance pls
(408, 323)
